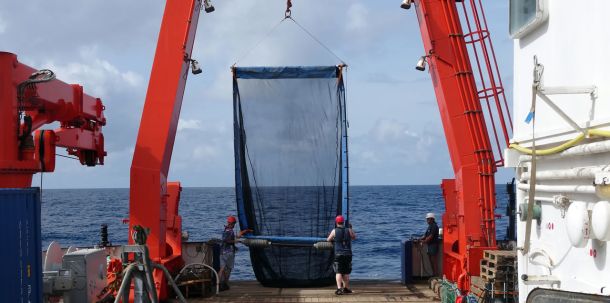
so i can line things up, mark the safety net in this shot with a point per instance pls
(290, 168)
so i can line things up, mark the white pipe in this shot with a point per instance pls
(577, 189)
(569, 90)
(553, 199)
(573, 173)
(579, 150)
(541, 199)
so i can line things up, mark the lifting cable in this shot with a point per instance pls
(69, 157)
(288, 16)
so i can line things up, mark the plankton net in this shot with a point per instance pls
(291, 177)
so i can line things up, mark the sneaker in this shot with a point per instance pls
(347, 291)
(338, 292)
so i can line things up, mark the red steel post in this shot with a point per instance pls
(470, 198)
(149, 194)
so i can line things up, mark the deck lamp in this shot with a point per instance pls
(406, 4)
(207, 6)
(195, 68)
(421, 64)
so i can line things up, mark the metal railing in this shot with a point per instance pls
(490, 89)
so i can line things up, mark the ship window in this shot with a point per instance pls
(526, 15)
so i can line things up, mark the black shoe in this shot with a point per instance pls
(223, 287)
(338, 292)
(347, 291)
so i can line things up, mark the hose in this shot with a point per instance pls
(205, 265)
(41, 76)
(256, 243)
(171, 281)
(563, 146)
(324, 245)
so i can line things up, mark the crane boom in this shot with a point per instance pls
(29, 99)
(153, 202)
(469, 220)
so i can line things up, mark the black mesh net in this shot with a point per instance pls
(291, 166)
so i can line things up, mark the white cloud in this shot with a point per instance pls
(387, 131)
(392, 151)
(97, 75)
(357, 15)
(2, 25)
(188, 124)
(205, 152)
(394, 138)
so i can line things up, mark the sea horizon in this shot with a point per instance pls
(355, 185)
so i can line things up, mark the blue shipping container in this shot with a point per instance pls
(406, 259)
(21, 274)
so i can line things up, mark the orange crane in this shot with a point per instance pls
(469, 221)
(449, 29)
(153, 201)
(31, 98)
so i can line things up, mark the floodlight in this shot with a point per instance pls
(421, 64)
(406, 4)
(207, 6)
(195, 68)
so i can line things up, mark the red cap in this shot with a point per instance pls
(231, 219)
(339, 219)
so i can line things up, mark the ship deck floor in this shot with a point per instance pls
(363, 291)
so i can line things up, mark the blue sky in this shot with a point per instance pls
(107, 46)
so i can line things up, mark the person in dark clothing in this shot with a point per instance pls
(431, 239)
(227, 251)
(342, 265)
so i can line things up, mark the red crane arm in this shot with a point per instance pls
(31, 99)
(153, 202)
(468, 222)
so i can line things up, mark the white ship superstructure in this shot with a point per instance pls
(561, 56)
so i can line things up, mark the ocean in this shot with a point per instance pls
(382, 216)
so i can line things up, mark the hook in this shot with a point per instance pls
(288, 13)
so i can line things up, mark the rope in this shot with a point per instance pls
(288, 16)
(316, 39)
(246, 53)
(69, 157)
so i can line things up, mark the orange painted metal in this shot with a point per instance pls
(81, 119)
(153, 203)
(468, 222)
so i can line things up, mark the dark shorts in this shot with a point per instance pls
(343, 264)
(432, 249)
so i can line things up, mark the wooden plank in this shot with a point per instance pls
(364, 291)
